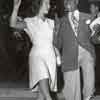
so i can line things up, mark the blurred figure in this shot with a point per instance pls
(94, 22)
(94, 10)
(7, 71)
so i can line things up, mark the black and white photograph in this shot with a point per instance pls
(49, 49)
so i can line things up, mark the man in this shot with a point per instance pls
(77, 52)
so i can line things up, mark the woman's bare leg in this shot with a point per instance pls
(44, 90)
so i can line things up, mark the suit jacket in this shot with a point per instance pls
(68, 44)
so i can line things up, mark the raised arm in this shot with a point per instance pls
(14, 22)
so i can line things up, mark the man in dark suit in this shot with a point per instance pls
(77, 52)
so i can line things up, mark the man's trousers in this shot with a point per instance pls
(72, 86)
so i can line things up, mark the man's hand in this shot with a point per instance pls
(95, 27)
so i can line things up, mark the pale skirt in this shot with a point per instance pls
(42, 65)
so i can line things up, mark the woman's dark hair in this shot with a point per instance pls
(36, 4)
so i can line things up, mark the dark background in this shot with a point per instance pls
(14, 51)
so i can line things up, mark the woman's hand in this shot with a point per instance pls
(15, 21)
(58, 60)
(17, 4)
(58, 56)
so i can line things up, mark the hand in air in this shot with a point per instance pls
(17, 3)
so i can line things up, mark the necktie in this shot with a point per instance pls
(75, 23)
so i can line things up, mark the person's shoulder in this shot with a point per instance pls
(31, 24)
(30, 19)
(50, 20)
(85, 16)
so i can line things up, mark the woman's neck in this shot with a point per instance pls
(42, 17)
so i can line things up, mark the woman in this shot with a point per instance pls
(42, 57)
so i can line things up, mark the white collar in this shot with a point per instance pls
(76, 14)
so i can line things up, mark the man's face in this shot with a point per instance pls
(92, 8)
(69, 5)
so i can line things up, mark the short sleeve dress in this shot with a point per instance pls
(42, 59)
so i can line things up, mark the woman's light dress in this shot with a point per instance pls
(42, 59)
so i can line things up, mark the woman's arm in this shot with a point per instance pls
(14, 21)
